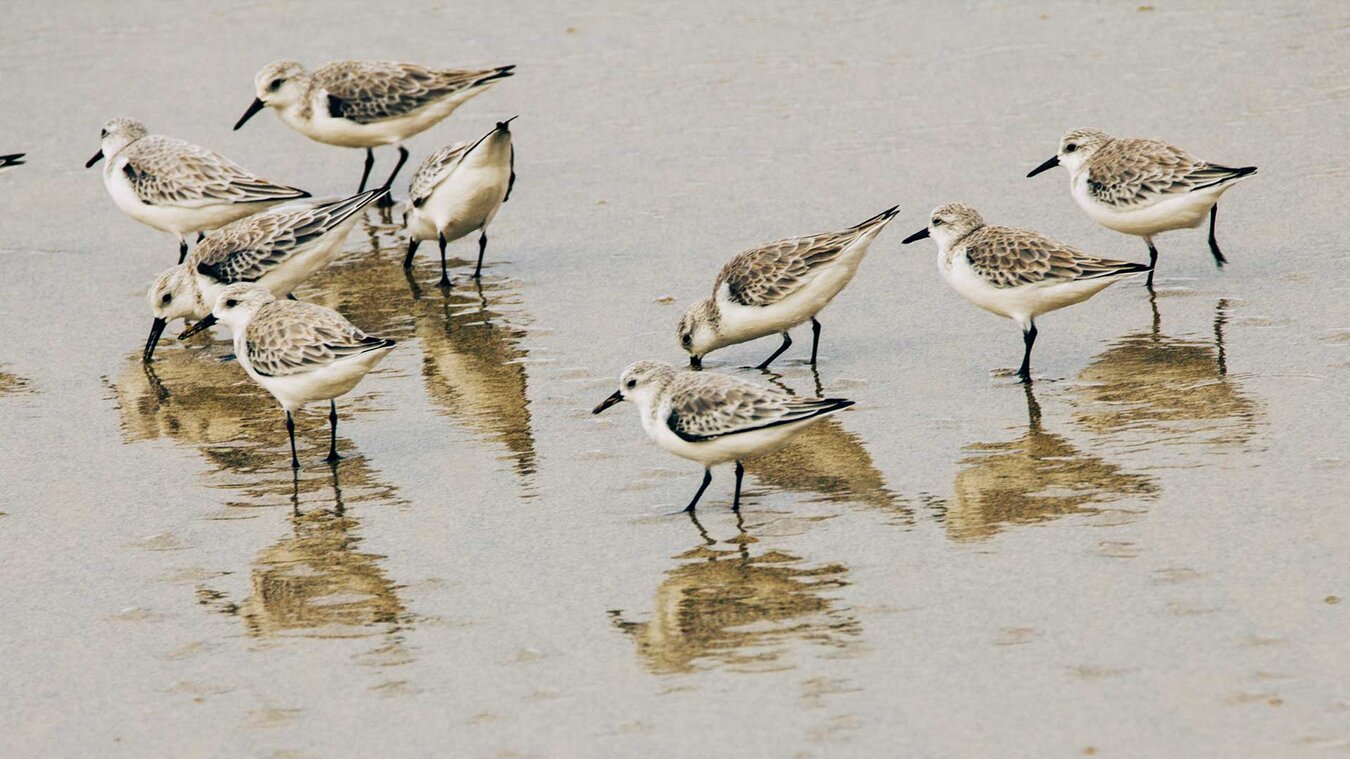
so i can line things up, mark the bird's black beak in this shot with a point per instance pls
(156, 329)
(198, 327)
(1048, 165)
(254, 107)
(610, 401)
(922, 233)
(97, 157)
(695, 362)
(505, 126)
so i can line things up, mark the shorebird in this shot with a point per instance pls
(366, 104)
(1143, 187)
(459, 189)
(714, 419)
(177, 187)
(278, 249)
(1016, 273)
(773, 288)
(298, 352)
(8, 162)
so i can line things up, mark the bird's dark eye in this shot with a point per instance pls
(686, 340)
(168, 298)
(937, 222)
(231, 303)
(630, 384)
(275, 85)
(105, 134)
(1070, 148)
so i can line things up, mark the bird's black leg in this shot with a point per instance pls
(1029, 338)
(736, 500)
(412, 251)
(290, 430)
(388, 200)
(1152, 263)
(1219, 260)
(332, 432)
(707, 479)
(182, 250)
(365, 175)
(482, 248)
(815, 339)
(787, 340)
(445, 278)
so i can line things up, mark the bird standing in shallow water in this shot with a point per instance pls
(459, 189)
(175, 186)
(714, 419)
(773, 288)
(366, 104)
(1143, 187)
(1016, 273)
(278, 249)
(298, 352)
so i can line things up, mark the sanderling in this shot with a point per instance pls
(1143, 187)
(1015, 273)
(278, 249)
(298, 352)
(8, 162)
(713, 418)
(366, 104)
(175, 186)
(775, 287)
(459, 189)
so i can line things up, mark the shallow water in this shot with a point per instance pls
(1143, 555)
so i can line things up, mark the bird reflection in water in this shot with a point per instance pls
(828, 461)
(1037, 477)
(1149, 388)
(473, 362)
(725, 606)
(316, 582)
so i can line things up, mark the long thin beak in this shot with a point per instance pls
(504, 125)
(156, 329)
(695, 362)
(922, 233)
(253, 108)
(610, 401)
(198, 327)
(1048, 165)
(97, 157)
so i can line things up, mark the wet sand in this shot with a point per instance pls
(1143, 556)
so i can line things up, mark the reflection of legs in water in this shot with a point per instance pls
(1157, 318)
(707, 478)
(820, 387)
(1033, 410)
(332, 432)
(707, 539)
(338, 507)
(295, 492)
(413, 287)
(1220, 319)
(736, 500)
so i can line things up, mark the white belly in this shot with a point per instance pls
(465, 201)
(1019, 303)
(349, 134)
(295, 390)
(720, 450)
(181, 220)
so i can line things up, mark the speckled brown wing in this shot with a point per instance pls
(369, 91)
(166, 171)
(707, 406)
(289, 337)
(434, 170)
(1129, 173)
(247, 249)
(1007, 257)
(771, 272)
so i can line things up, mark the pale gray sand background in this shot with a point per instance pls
(1145, 572)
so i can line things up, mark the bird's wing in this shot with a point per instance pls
(369, 91)
(704, 407)
(434, 170)
(1133, 173)
(289, 337)
(165, 171)
(1006, 257)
